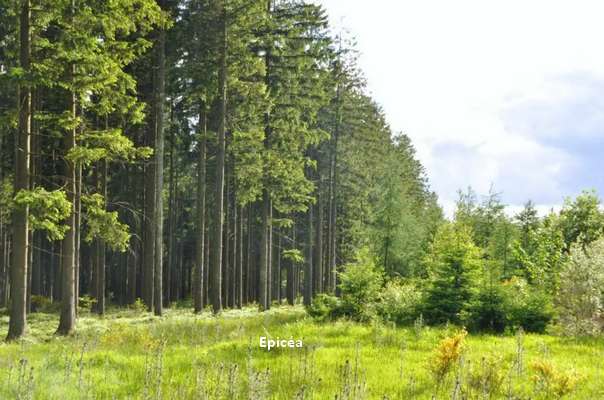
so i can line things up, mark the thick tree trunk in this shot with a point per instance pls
(18, 285)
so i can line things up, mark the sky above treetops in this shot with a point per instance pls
(504, 94)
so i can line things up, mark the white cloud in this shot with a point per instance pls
(453, 74)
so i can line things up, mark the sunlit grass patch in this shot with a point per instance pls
(187, 356)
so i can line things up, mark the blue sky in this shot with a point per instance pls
(509, 94)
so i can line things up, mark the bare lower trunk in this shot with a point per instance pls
(67, 319)
(198, 271)
(318, 259)
(263, 272)
(308, 273)
(159, 171)
(216, 267)
(149, 235)
(239, 260)
(18, 284)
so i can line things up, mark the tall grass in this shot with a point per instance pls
(133, 355)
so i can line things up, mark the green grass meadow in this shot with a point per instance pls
(126, 355)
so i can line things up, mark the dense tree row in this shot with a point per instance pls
(222, 151)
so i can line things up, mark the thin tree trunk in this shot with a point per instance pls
(18, 320)
(239, 260)
(30, 259)
(198, 271)
(332, 206)
(291, 272)
(264, 273)
(308, 273)
(170, 265)
(277, 283)
(226, 261)
(67, 319)
(149, 234)
(248, 256)
(131, 277)
(78, 222)
(3, 263)
(216, 253)
(263, 296)
(159, 92)
(101, 281)
(318, 258)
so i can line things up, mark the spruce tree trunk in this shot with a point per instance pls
(291, 271)
(248, 256)
(226, 265)
(67, 319)
(170, 265)
(149, 234)
(198, 271)
(2, 240)
(264, 273)
(131, 275)
(78, 223)
(239, 260)
(206, 261)
(277, 267)
(18, 284)
(318, 258)
(94, 251)
(3, 263)
(332, 206)
(333, 212)
(308, 273)
(216, 253)
(101, 251)
(159, 92)
(263, 269)
(34, 268)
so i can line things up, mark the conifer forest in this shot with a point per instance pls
(183, 179)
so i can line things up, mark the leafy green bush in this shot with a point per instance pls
(509, 306)
(323, 307)
(452, 264)
(581, 296)
(532, 311)
(86, 302)
(489, 310)
(360, 285)
(399, 302)
(39, 303)
(43, 304)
